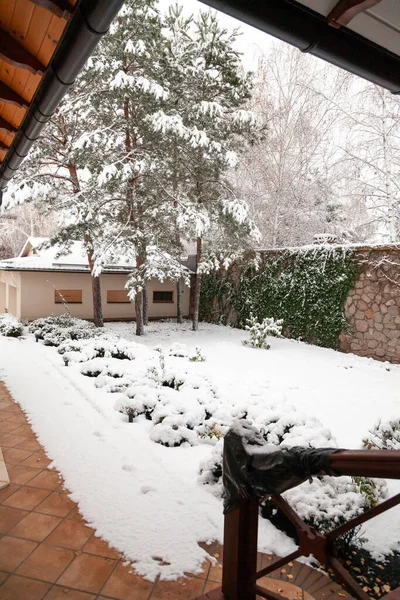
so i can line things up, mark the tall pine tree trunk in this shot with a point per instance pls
(139, 313)
(96, 289)
(96, 293)
(145, 306)
(197, 287)
(139, 304)
(179, 312)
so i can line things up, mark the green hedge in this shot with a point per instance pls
(306, 288)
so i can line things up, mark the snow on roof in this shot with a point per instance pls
(31, 243)
(46, 259)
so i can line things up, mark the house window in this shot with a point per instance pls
(70, 296)
(163, 297)
(117, 297)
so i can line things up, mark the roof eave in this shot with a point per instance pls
(88, 23)
(309, 31)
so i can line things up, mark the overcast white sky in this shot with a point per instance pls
(251, 43)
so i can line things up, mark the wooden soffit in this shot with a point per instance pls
(30, 31)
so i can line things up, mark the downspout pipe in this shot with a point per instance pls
(300, 26)
(87, 25)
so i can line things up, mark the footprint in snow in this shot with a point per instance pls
(129, 468)
(145, 489)
(98, 434)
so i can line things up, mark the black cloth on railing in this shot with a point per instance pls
(253, 469)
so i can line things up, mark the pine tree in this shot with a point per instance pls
(131, 68)
(61, 172)
(205, 125)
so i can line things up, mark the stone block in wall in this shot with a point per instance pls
(361, 325)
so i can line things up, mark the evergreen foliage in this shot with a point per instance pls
(10, 326)
(259, 332)
(306, 288)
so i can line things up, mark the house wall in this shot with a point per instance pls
(34, 293)
(3, 290)
(10, 292)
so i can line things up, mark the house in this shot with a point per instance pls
(35, 283)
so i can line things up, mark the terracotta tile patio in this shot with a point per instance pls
(48, 552)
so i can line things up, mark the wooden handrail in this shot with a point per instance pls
(240, 575)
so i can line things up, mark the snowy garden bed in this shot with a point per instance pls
(139, 426)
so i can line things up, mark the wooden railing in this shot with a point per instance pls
(239, 577)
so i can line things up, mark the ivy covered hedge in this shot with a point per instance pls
(305, 287)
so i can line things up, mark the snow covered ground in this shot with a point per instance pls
(145, 499)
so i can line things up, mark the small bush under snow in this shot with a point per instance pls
(10, 326)
(55, 330)
(259, 332)
(384, 436)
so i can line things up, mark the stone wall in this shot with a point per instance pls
(372, 308)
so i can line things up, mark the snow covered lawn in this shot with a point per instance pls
(146, 499)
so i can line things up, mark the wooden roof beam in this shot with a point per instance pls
(6, 126)
(8, 95)
(346, 10)
(14, 54)
(60, 8)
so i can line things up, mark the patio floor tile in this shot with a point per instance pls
(99, 547)
(22, 588)
(23, 429)
(29, 444)
(61, 593)
(13, 551)
(35, 527)
(8, 491)
(14, 456)
(88, 573)
(8, 427)
(47, 480)
(46, 563)
(187, 589)
(38, 460)
(75, 515)
(124, 584)
(13, 417)
(3, 577)
(10, 517)
(26, 498)
(70, 534)
(10, 440)
(21, 475)
(56, 504)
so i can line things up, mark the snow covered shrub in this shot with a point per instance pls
(210, 471)
(172, 432)
(10, 326)
(142, 397)
(56, 330)
(198, 356)
(259, 332)
(384, 436)
(178, 350)
(109, 367)
(99, 347)
(211, 431)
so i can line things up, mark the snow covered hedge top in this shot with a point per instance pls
(10, 326)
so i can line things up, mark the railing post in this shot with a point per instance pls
(240, 552)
